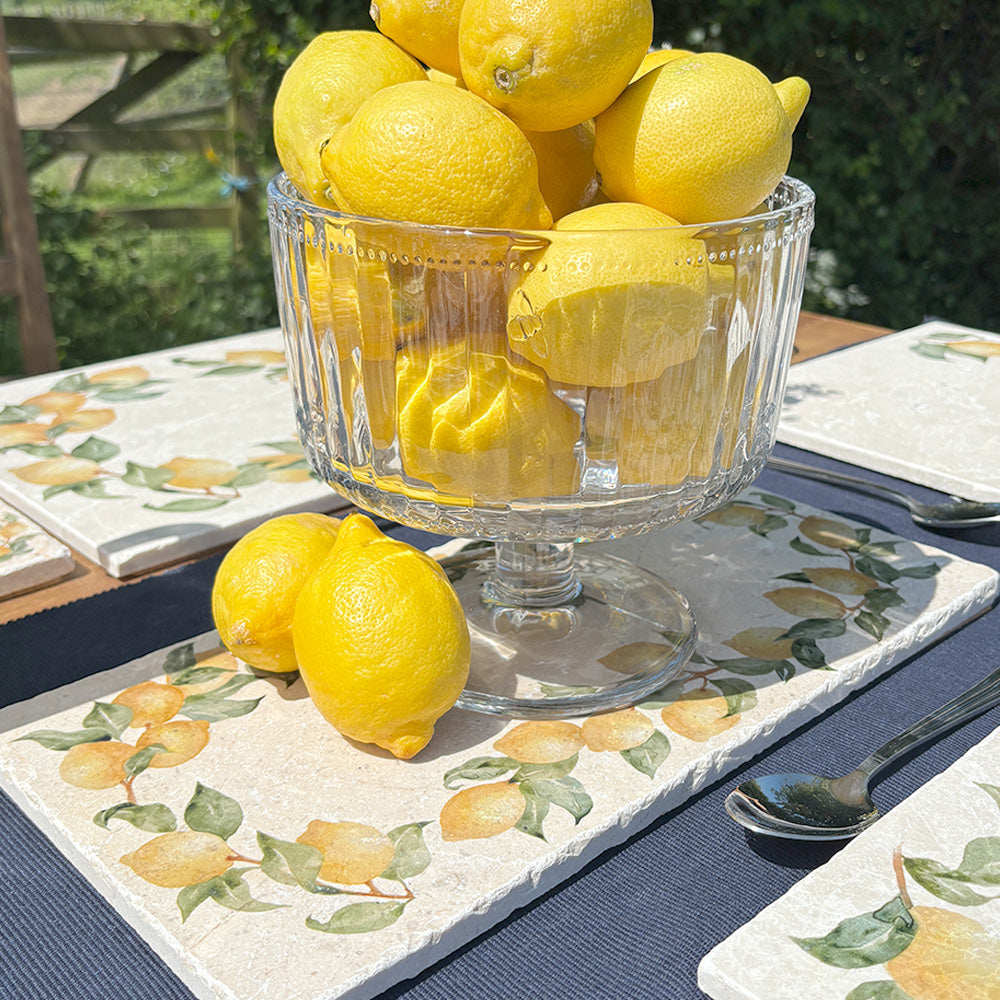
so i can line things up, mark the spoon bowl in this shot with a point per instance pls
(811, 807)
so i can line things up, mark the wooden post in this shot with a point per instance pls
(21, 271)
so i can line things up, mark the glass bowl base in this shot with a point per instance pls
(615, 635)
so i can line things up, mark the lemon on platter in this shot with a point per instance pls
(320, 91)
(619, 300)
(702, 138)
(258, 583)
(381, 640)
(438, 155)
(551, 64)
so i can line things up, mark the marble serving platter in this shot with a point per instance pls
(911, 908)
(922, 405)
(796, 609)
(29, 556)
(139, 462)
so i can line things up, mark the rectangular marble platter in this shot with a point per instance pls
(29, 556)
(921, 405)
(140, 462)
(493, 812)
(911, 908)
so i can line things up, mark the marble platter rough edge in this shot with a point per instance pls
(29, 556)
(920, 405)
(143, 461)
(269, 926)
(946, 835)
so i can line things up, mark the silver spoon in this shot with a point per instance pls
(953, 513)
(808, 807)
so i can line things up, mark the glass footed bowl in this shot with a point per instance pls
(531, 390)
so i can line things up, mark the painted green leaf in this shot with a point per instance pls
(213, 708)
(96, 449)
(536, 808)
(249, 475)
(882, 598)
(564, 690)
(879, 549)
(648, 756)
(232, 370)
(749, 666)
(880, 989)
(816, 628)
(37, 450)
(565, 792)
(796, 576)
(478, 769)
(77, 382)
(150, 476)
(126, 394)
(95, 489)
(937, 352)
(865, 940)
(878, 568)
(112, 719)
(196, 675)
(923, 572)
(981, 861)
(770, 523)
(411, 856)
(231, 686)
(872, 623)
(993, 791)
(13, 414)
(773, 500)
(809, 550)
(664, 696)
(141, 759)
(808, 653)
(229, 890)
(52, 739)
(192, 896)
(545, 772)
(179, 658)
(295, 448)
(944, 882)
(359, 918)
(189, 505)
(154, 817)
(740, 695)
(210, 811)
(290, 862)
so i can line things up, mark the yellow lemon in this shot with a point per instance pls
(541, 742)
(436, 155)
(95, 765)
(12, 435)
(88, 420)
(381, 640)
(181, 858)
(618, 299)
(181, 739)
(150, 703)
(120, 378)
(478, 424)
(567, 176)
(59, 403)
(427, 29)
(482, 811)
(657, 57)
(551, 64)
(320, 91)
(703, 138)
(64, 471)
(258, 582)
(353, 853)
(199, 473)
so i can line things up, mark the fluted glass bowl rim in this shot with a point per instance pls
(282, 193)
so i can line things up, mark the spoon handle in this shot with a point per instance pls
(981, 696)
(841, 478)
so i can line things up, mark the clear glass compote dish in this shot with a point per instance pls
(531, 391)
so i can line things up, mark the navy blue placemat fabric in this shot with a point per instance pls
(634, 923)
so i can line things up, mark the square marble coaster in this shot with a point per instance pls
(210, 852)
(922, 405)
(911, 908)
(29, 557)
(140, 462)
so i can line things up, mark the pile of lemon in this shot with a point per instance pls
(516, 113)
(372, 624)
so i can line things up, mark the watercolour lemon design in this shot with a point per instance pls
(363, 870)
(950, 346)
(929, 952)
(93, 467)
(15, 535)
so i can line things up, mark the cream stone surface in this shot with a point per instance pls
(29, 556)
(761, 961)
(285, 767)
(223, 401)
(922, 405)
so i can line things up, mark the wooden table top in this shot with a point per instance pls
(815, 335)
